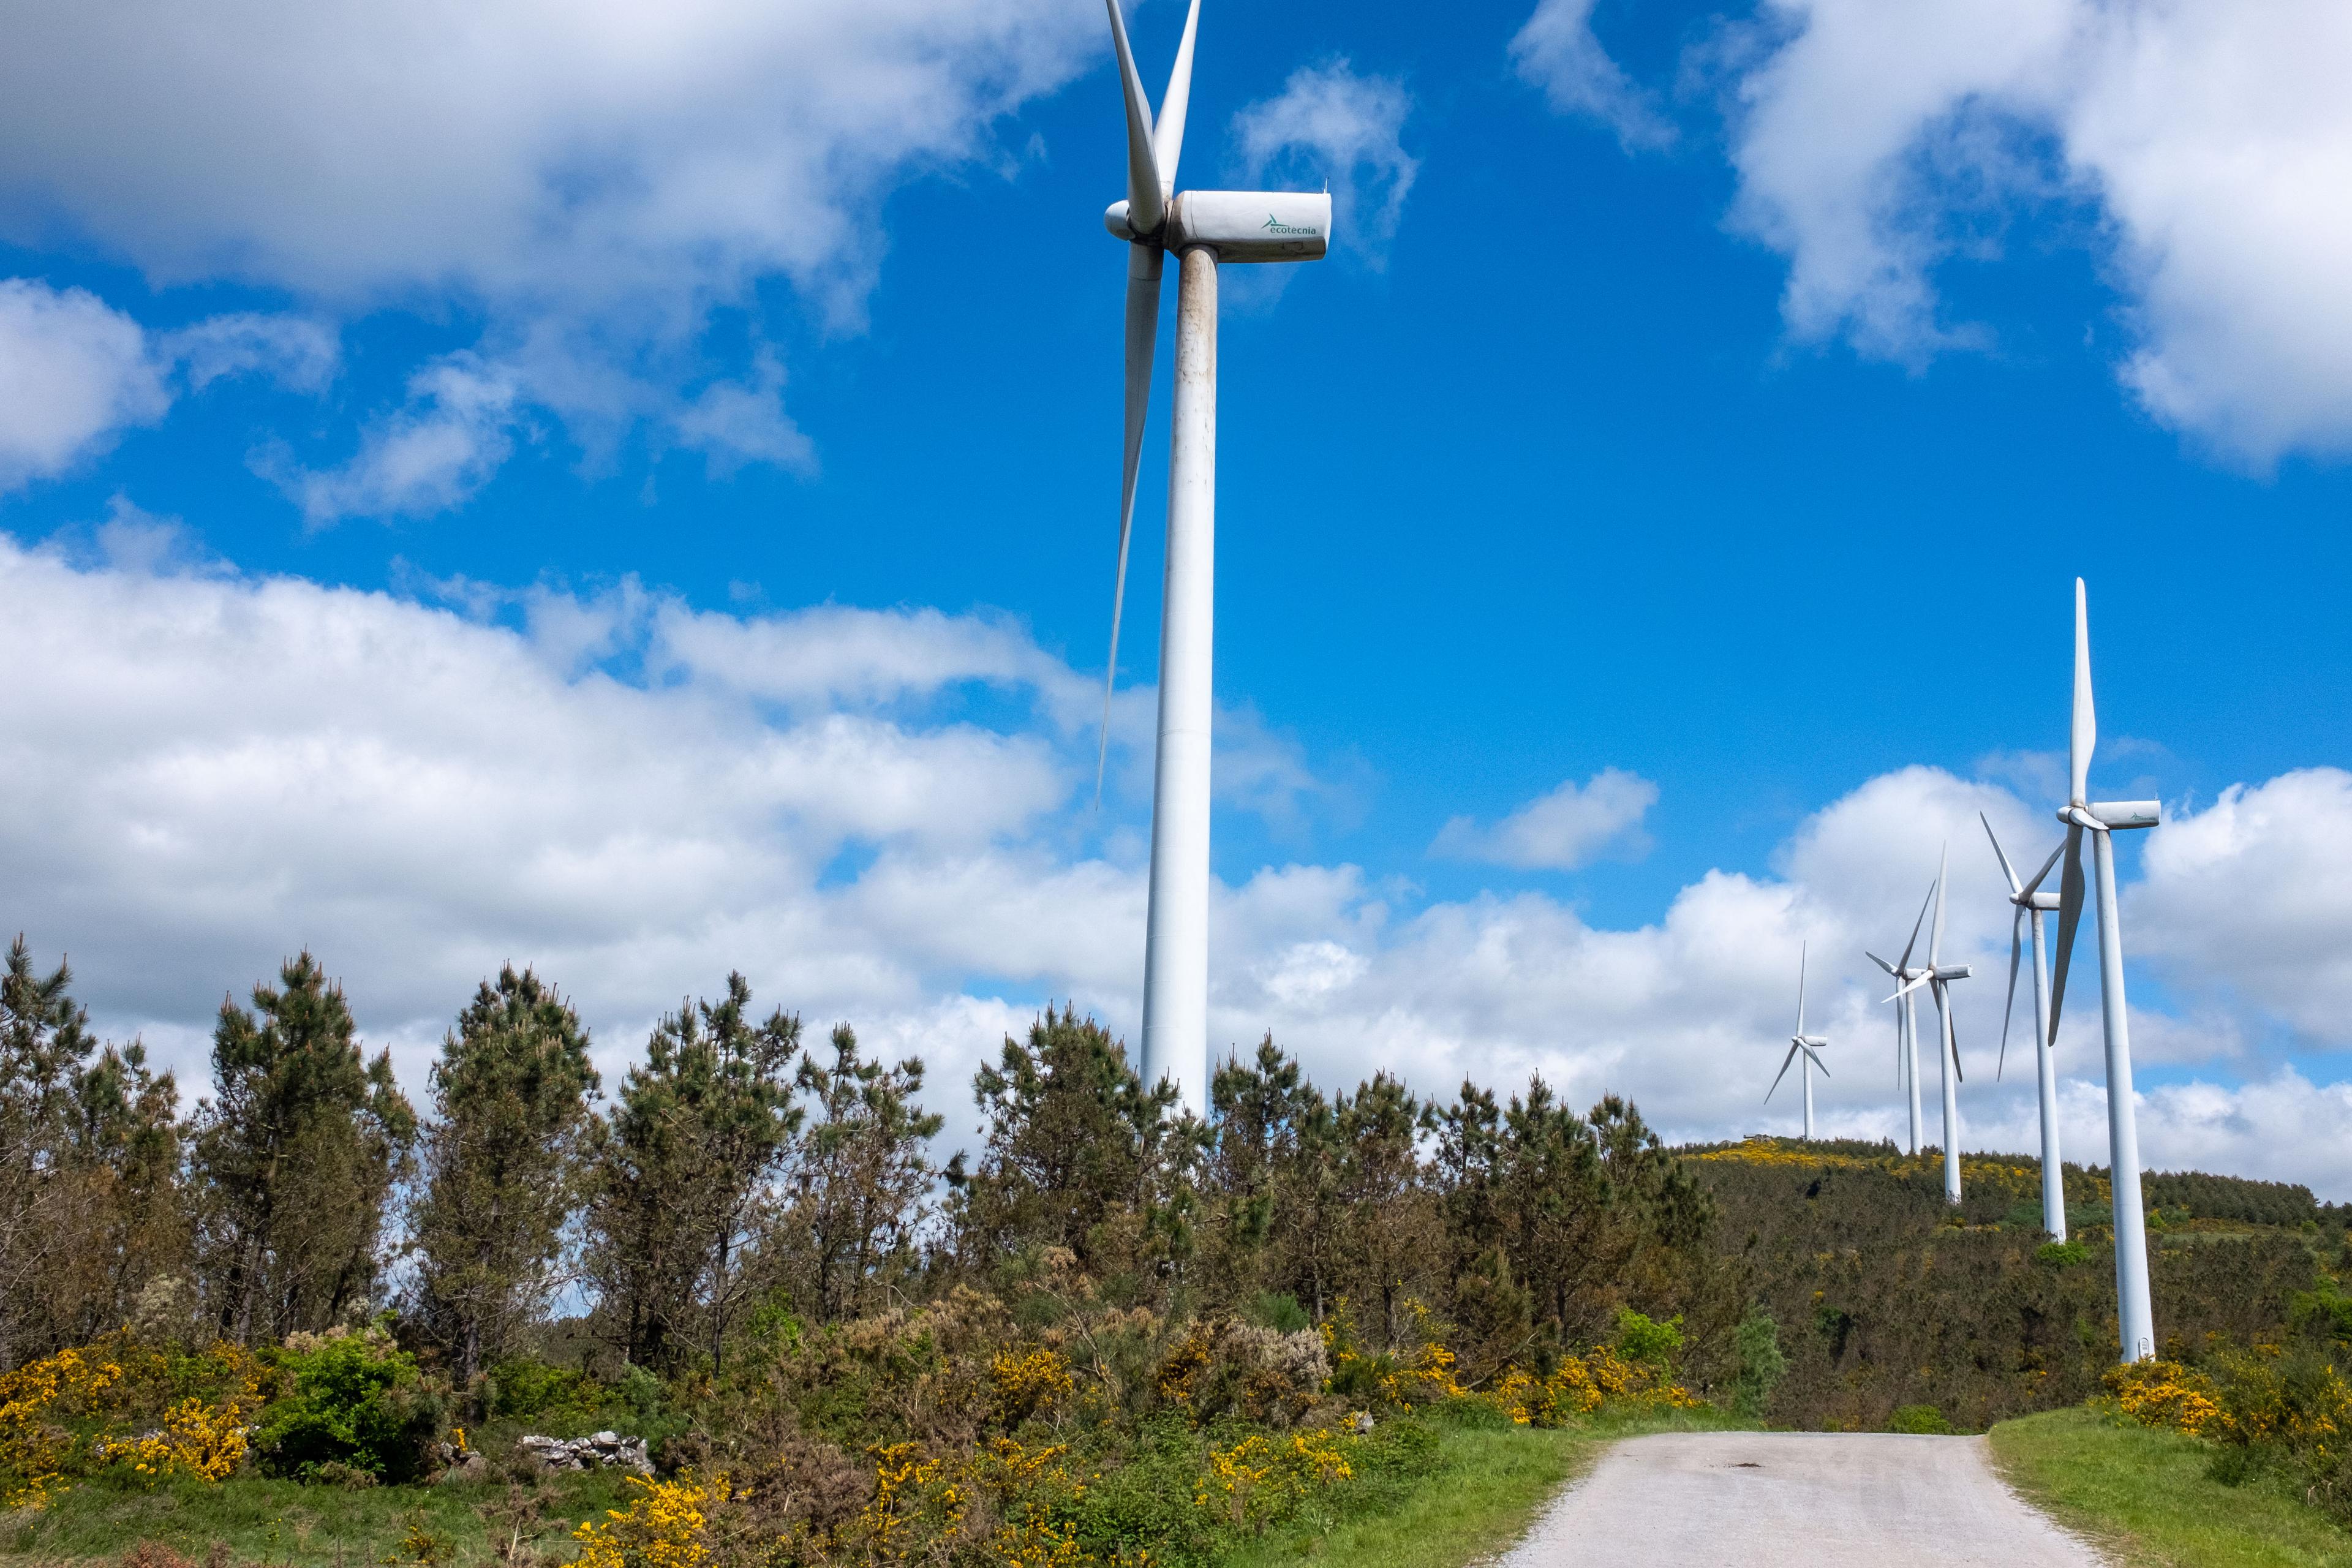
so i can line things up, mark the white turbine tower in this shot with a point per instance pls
(1203, 227)
(1804, 1044)
(1938, 977)
(1907, 1019)
(2136, 1317)
(2032, 905)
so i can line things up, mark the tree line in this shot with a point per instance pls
(739, 1171)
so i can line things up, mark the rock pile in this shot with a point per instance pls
(598, 1450)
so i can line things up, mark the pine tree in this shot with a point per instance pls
(1074, 1142)
(126, 1148)
(865, 1173)
(44, 1036)
(500, 1167)
(298, 1154)
(686, 1168)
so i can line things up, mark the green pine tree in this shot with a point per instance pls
(500, 1167)
(864, 1175)
(685, 1172)
(298, 1153)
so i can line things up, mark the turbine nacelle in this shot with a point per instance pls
(1239, 226)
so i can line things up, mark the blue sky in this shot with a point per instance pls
(1726, 400)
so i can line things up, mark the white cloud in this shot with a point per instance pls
(2251, 899)
(591, 181)
(244, 766)
(454, 432)
(74, 374)
(1557, 52)
(1561, 830)
(297, 351)
(1880, 138)
(1330, 124)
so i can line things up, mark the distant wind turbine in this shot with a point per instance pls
(1938, 977)
(2032, 905)
(1906, 1018)
(2136, 1318)
(1801, 1044)
(1203, 227)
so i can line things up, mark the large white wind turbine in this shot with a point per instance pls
(1801, 1044)
(1938, 977)
(2136, 1317)
(1907, 1019)
(1203, 227)
(2032, 905)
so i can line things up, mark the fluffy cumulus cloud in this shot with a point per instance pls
(1559, 53)
(1876, 140)
(1882, 136)
(1330, 123)
(636, 796)
(1561, 830)
(73, 374)
(591, 180)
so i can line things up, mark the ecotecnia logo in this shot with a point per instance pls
(1276, 226)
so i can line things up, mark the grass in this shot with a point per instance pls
(2144, 1497)
(288, 1525)
(1486, 1489)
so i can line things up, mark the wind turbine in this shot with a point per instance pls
(1804, 1044)
(1906, 1018)
(1938, 977)
(2136, 1317)
(2032, 903)
(1203, 227)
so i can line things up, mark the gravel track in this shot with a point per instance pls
(1828, 1499)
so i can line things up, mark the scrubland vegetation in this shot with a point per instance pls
(303, 1321)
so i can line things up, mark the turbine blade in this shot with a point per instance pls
(1782, 1074)
(2070, 915)
(1952, 1039)
(1168, 136)
(1878, 961)
(1907, 946)
(1143, 269)
(1815, 1056)
(1147, 200)
(1908, 986)
(2016, 948)
(2035, 884)
(2015, 891)
(2085, 732)
(1936, 938)
(1800, 987)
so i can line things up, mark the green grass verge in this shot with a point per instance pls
(288, 1525)
(2144, 1496)
(1484, 1490)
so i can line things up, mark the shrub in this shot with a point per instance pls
(1920, 1420)
(1761, 1363)
(1646, 1344)
(522, 1389)
(357, 1403)
(2061, 1254)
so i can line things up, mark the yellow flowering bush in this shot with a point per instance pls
(1261, 1478)
(665, 1527)
(2166, 1394)
(1028, 1384)
(114, 1402)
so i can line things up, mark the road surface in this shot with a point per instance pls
(1821, 1499)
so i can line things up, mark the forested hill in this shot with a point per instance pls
(1889, 1299)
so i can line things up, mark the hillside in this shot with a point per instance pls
(1889, 1299)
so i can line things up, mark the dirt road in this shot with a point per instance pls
(1732, 1499)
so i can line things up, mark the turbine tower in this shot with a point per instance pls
(1804, 1044)
(1202, 229)
(1938, 977)
(2032, 903)
(1907, 1019)
(2136, 1317)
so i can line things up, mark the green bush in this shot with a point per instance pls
(2061, 1254)
(1648, 1343)
(358, 1405)
(523, 1388)
(1920, 1420)
(1761, 1364)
